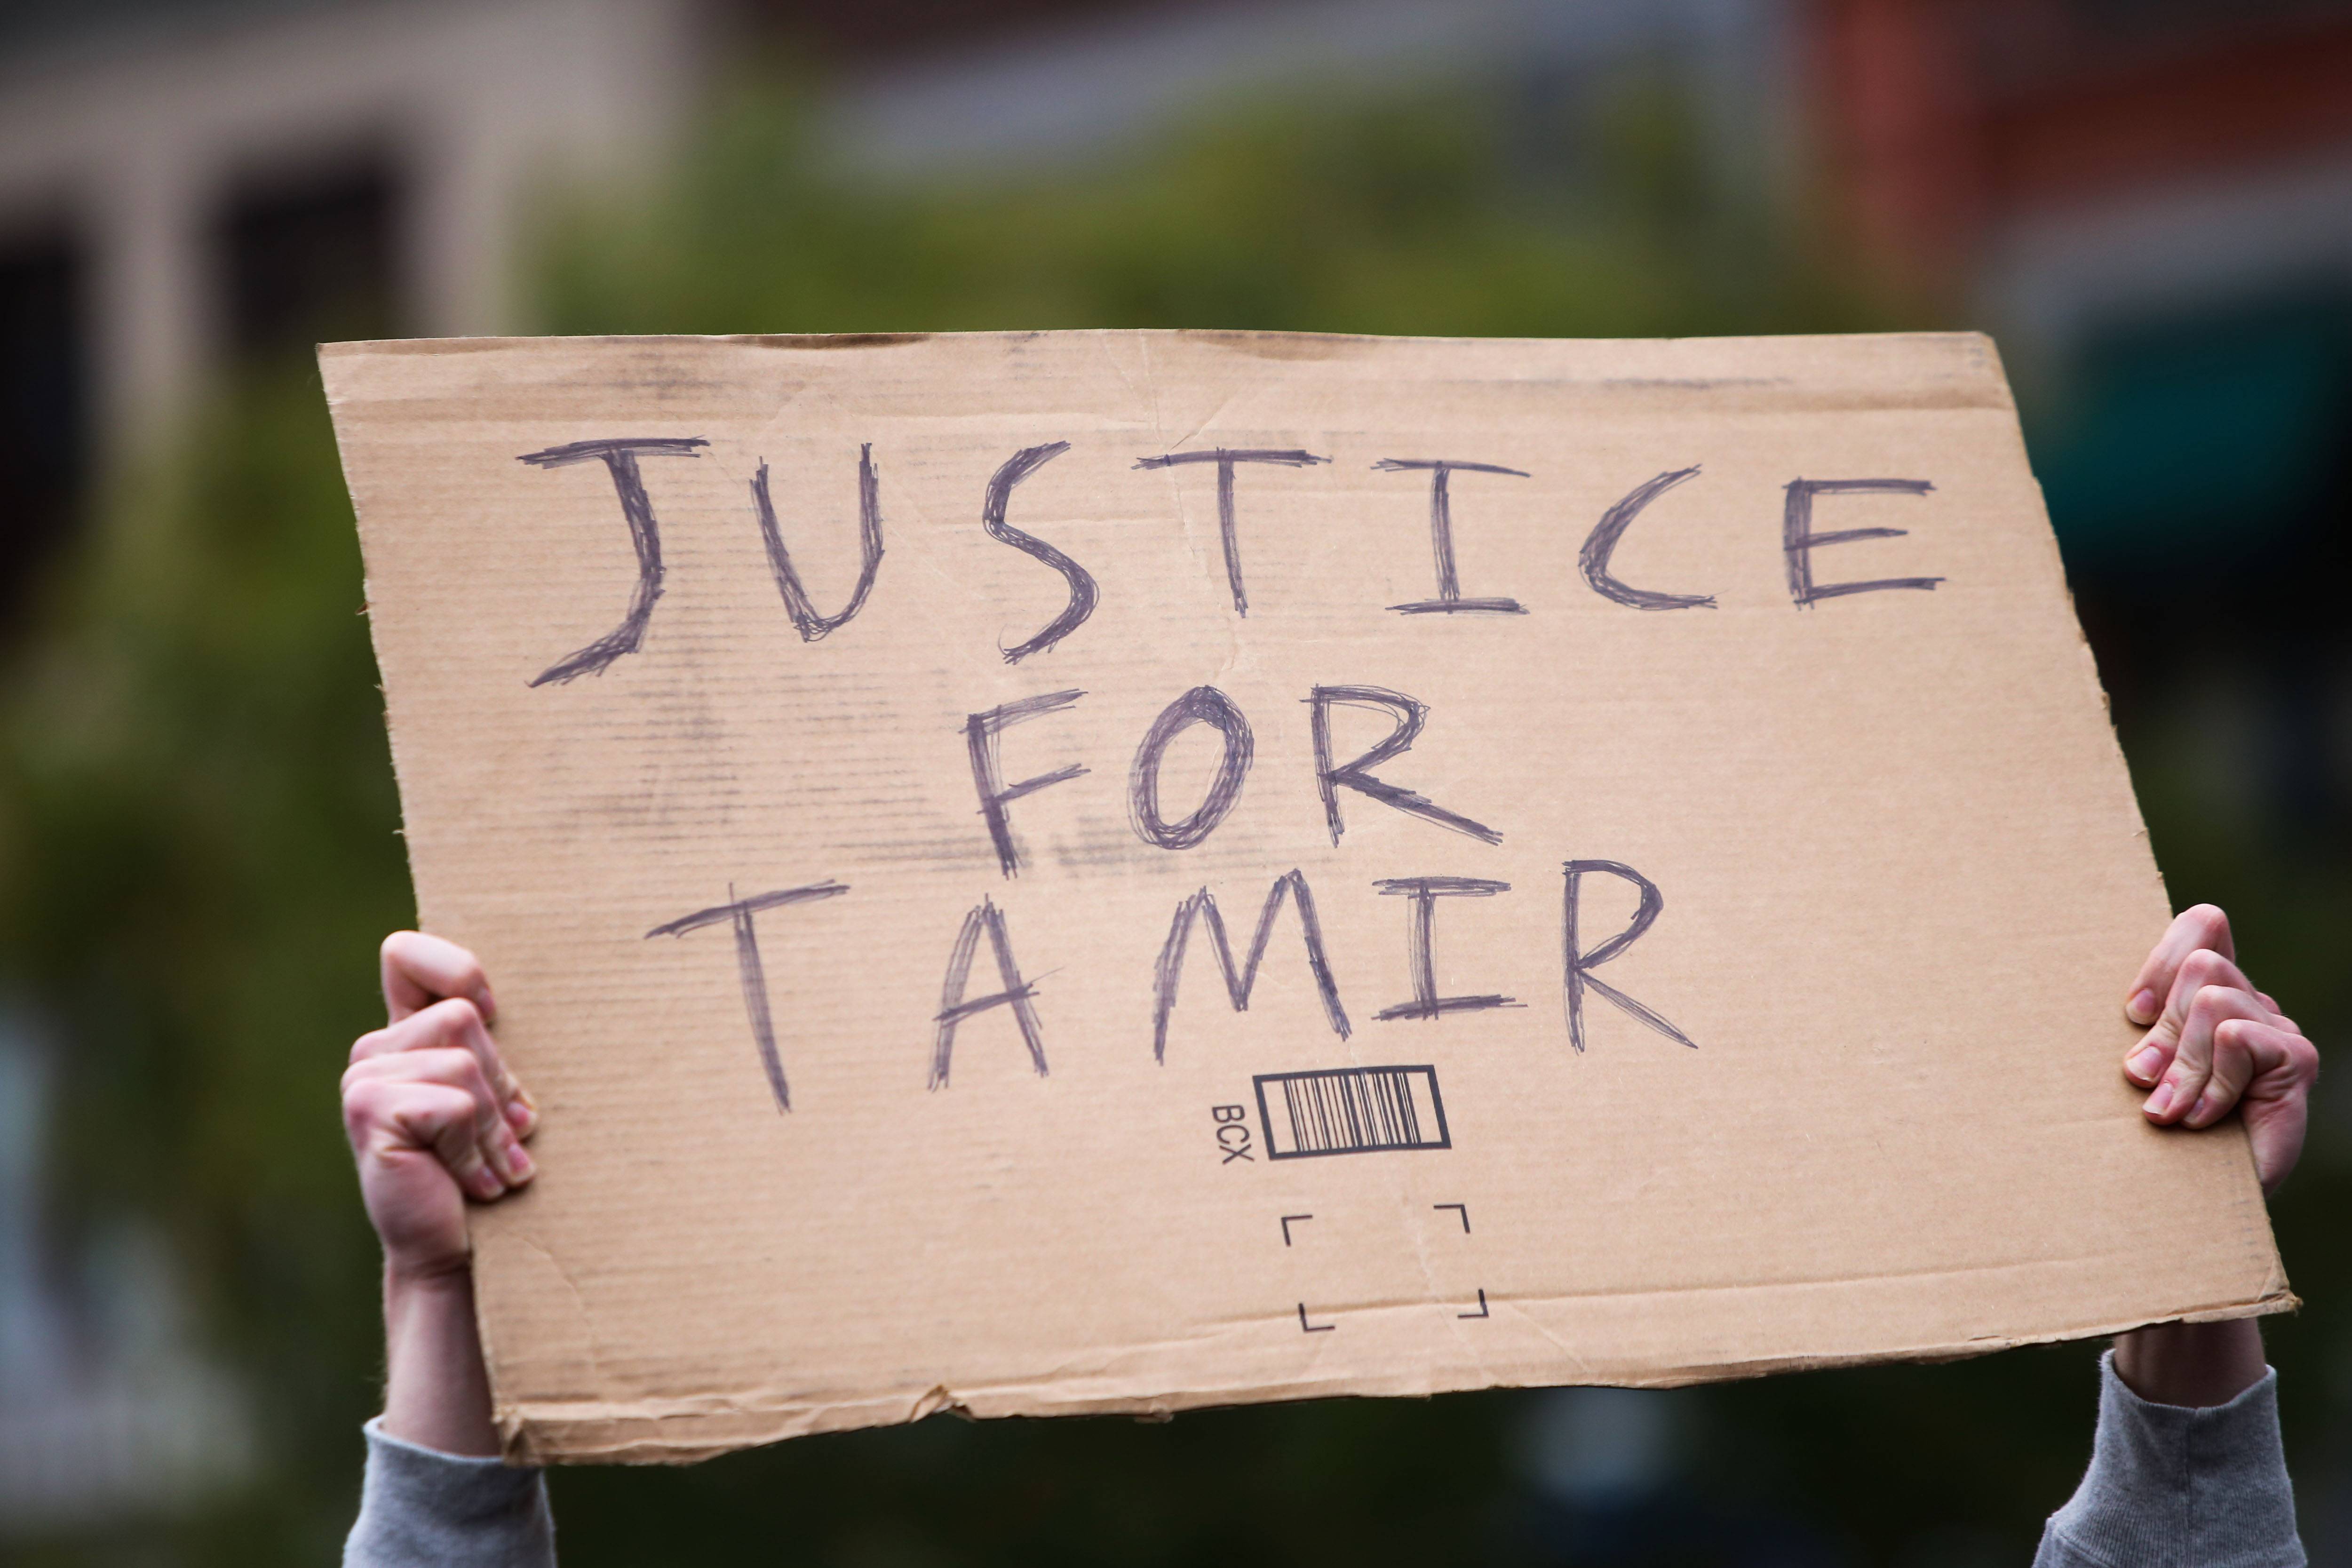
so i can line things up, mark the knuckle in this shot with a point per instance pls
(441, 1107)
(366, 1045)
(444, 1024)
(364, 1101)
(453, 1067)
(2211, 998)
(2211, 920)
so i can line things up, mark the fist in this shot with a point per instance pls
(2215, 1044)
(433, 1114)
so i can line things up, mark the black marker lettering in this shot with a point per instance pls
(1016, 994)
(1580, 965)
(1225, 458)
(1201, 705)
(980, 733)
(738, 912)
(1017, 467)
(620, 460)
(1799, 540)
(1424, 892)
(811, 625)
(1449, 600)
(1358, 774)
(1601, 543)
(1240, 981)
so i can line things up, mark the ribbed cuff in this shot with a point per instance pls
(419, 1506)
(2171, 1486)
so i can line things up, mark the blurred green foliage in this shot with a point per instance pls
(198, 849)
(198, 854)
(1450, 215)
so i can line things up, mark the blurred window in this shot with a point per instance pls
(313, 259)
(2217, 441)
(44, 405)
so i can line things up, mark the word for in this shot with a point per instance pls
(1208, 705)
(621, 457)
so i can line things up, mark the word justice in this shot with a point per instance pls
(621, 457)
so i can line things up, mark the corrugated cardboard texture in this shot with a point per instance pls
(1899, 875)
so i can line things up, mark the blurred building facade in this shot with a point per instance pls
(180, 183)
(2149, 200)
(181, 186)
(106, 1404)
(1064, 88)
(2089, 176)
(2151, 205)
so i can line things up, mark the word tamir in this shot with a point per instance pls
(1152, 818)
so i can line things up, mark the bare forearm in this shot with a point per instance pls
(436, 1393)
(2197, 1366)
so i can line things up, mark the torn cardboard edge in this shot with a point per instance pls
(600, 1433)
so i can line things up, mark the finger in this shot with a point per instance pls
(2193, 974)
(2188, 1085)
(2147, 1061)
(453, 1067)
(2233, 1068)
(2200, 926)
(455, 1022)
(420, 970)
(2277, 1104)
(390, 1120)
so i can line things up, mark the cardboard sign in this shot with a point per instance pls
(1114, 871)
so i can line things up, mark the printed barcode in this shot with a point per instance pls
(1351, 1110)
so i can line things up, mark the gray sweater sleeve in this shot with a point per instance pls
(420, 1507)
(2174, 1488)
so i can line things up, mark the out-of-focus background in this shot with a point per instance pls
(2147, 202)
